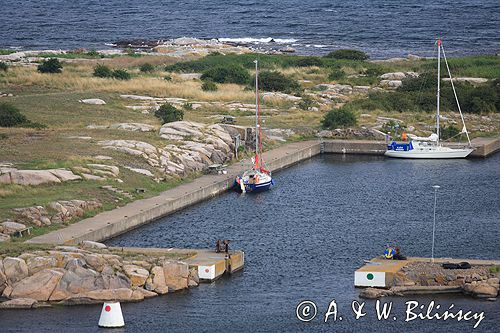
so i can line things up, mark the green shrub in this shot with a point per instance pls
(209, 86)
(10, 116)
(480, 99)
(147, 68)
(167, 78)
(187, 106)
(373, 71)
(3, 66)
(4, 51)
(338, 118)
(336, 74)
(306, 103)
(227, 74)
(423, 82)
(348, 54)
(121, 74)
(102, 71)
(132, 53)
(52, 65)
(93, 53)
(276, 81)
(309, 61)
(447, 132)
(169, 113)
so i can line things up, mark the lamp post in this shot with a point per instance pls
(434, 223)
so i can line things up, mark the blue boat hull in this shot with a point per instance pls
(255, 188)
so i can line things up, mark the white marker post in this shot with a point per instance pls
(434, 223)
(111, 315)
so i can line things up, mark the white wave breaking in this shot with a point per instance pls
(266, 40)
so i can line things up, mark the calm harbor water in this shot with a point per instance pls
(304, 239)
(384, 28)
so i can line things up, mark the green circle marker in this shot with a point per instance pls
(369, 276)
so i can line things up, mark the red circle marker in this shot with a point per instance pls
(107, 308)
(207, 270)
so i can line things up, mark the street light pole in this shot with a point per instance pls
(434, 223)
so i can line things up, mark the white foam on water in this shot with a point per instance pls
(250, 40)
(320, 46)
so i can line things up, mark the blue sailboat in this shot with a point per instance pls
(258, 178)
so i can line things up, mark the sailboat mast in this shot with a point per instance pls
(256, 113)
(438, 87)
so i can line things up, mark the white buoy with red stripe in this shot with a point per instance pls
(111, 315)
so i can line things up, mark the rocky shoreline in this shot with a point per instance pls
(89, 274)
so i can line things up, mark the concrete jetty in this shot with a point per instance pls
(117, 221)
(210, 265)
(380, 272)
(112, 223)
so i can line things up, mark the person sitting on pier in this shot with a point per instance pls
(226, 245)
(397, 254)
(389, 252)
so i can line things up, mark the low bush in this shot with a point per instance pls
(167, 78)
(336, 74)
(168, 113)
(309, 61)
(339, 118)
(52, 65)
(93, 53)
(121, 74)
(102, 71)
(423, 82)
(227, 74)
(10, 116)
(348, 54)
(276, 81)
(147, 68)
(448, 132)
(187, 106)
(3, 66)
(209, 86)
(373, 71)
(306, 103)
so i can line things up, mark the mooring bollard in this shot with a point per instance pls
(111, 315)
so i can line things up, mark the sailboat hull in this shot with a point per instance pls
(443, 153)
(251, 187)
(254, 188)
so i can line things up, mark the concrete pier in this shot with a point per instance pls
(112, 223)
(485, 147)
(210, 265)
(380, 272)
(117, 221)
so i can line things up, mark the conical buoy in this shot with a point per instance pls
(111, 315)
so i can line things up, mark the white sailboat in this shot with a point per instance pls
(431, 147)
(258, 178)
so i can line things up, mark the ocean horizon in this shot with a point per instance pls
(383, 28)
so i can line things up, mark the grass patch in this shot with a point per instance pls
(6, 52)
(14, 249)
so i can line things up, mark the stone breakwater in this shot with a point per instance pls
(481, 281)
(91, 274)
